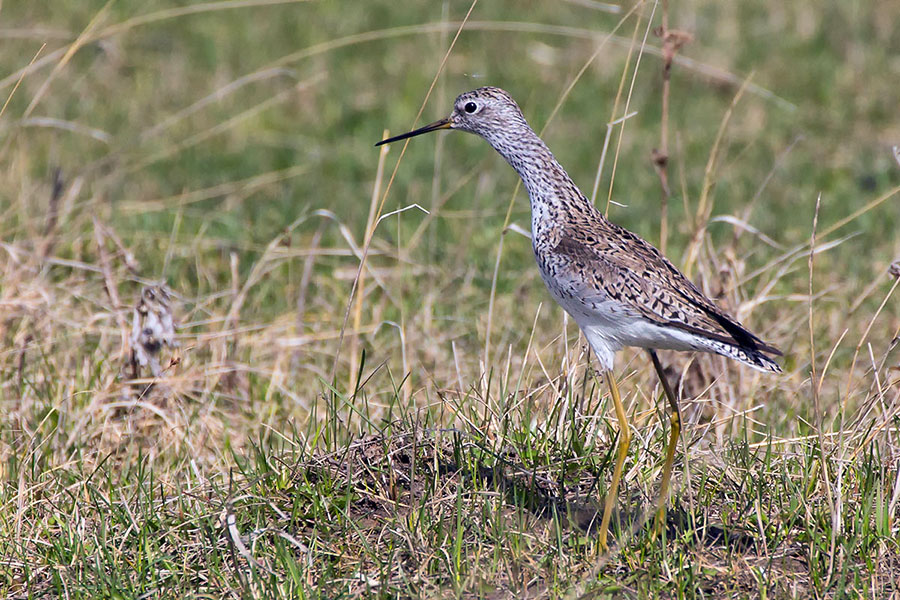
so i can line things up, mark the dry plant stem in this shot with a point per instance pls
(368, 241)
(21, 76)
(637, 65)
(176, 227)
(438, 143)
(859, 345)
(612, 117)
(83, 38)
(748, 208)
(229, 325)
(814, 385)
(216, 96)
(861, 211)
(790, 254)
(853, 366)
(661, 158)
(406, 385)
(112, 289)
(184, 199)
(126, 255)
(704, 205)
(672, 42)
(305, 279)
(20, 363)
(437, 205)
(496, 275)
(590, 60)
(361, 285)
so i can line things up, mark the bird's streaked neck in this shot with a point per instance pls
(550, 189)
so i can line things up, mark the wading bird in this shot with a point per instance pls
(619, 289)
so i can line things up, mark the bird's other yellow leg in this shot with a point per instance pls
(624, 441)
(675, 421)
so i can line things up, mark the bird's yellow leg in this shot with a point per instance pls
(624, 441)
(675, 421)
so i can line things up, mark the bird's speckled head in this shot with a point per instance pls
(488, 111)
(485, 111)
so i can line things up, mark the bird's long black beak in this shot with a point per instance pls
(442, 124)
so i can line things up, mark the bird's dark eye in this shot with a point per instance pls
(470, 107)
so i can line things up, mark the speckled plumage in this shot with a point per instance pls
(619, 289)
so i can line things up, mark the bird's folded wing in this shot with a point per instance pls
(628, 270)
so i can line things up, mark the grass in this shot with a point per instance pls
(430, 424)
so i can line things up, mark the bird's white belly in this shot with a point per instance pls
(610, 326)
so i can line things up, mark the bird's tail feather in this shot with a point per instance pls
(752, 357)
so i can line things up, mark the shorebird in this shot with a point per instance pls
(618, 288)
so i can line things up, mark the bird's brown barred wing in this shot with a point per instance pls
(631, 271)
